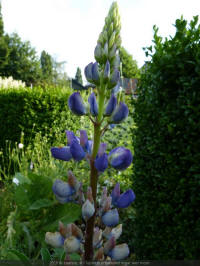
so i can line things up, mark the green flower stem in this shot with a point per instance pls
(89, 252)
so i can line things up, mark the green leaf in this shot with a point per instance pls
(41, 203)
(22, 257)
(46, 256)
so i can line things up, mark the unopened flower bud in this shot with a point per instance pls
(54, 239)
(119, 252)
(109, 245)
(110, 218)
(115, 77)
(71, 244)
(87, 210)
(107, 71)
(98, 52)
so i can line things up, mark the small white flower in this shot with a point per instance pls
(20, 146)
(16, 181)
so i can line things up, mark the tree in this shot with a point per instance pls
(23, 63)
(60, 77)
(3, 46)
(78, 76)
(46, 66)
(129, 66)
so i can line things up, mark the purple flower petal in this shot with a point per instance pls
(120, 113)
(111, 105)
(77, 151)
(70, 137)
(125, 199)
(93, 104)
(83, 139)
(76, 104)
(120, 158)
(95, 72)
(101, 162)
(88, 72)
(62, 153)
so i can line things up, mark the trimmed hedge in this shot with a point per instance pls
(167, 148)
(33, 110)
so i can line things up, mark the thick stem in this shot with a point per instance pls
(89, 251)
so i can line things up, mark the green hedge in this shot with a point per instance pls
(167, 148)
(32, 110)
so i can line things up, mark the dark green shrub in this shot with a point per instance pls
(34, 110)
(167, 148)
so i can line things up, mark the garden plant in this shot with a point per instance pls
(96, 238)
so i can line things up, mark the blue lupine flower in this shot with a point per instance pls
(88, 72)
(120, 113)
(119, 252)
(95, 72)
(93, 104)
(61, 153)
(62, 189)
(110, 218)
(76, 104)
(107, 70)
(111, 105)
(63, 200)
(126, 199)
(77, 151)
(120, 158)
(101, 162)
(123, 200)
(109, 245)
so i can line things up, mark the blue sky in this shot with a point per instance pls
(69, 29)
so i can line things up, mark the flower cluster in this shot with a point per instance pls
(101, 218)
(79, 148)
(71, 236)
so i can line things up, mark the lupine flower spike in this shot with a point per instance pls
(96, 238)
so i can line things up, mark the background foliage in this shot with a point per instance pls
(167, 145)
